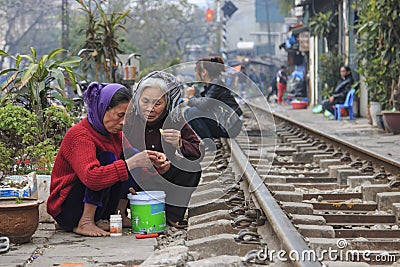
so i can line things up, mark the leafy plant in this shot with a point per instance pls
(18, 200)
(56, 124)
(22, 147)
(5, 156)
(102, 38)
(324, 26)
(379, 49)
(33, 80)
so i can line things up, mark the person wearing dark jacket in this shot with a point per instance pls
(201, 113)
(342, 88)
(156, 123)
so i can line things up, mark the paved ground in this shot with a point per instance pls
(58, 248)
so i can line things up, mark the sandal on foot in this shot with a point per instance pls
(179, 224)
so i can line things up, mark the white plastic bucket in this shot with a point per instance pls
(148, 211)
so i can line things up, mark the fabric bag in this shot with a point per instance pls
(228, 120)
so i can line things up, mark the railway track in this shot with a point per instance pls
(282, 194)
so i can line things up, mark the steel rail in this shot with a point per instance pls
(379, 160)
(291, 239)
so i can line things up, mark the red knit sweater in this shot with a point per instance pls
(76, 159)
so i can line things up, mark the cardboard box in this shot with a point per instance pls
(29, 189)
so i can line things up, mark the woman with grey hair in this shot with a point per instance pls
(156, 123)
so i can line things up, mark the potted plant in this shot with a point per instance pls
(392, 118)
(378, 54)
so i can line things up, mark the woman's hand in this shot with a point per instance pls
(142, 159)
(160, 159)
(173, 137)
(161, 163)
(190, 91)
(163, 168)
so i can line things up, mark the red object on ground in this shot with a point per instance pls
(140, 236)
(298, 105)
(344, 112)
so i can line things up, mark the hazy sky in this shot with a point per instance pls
(202, 3)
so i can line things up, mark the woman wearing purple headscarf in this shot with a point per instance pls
(89, 180)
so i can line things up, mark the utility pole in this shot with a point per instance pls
(223, 37)
(228, 9)
(65, 24)
(269, 32)
(218, 20)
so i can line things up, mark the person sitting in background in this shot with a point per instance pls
(200, 113)
(89, 180)
(342, 88)
(156, 123)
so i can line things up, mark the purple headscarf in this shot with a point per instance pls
(97, 98)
